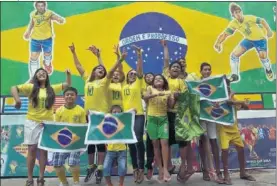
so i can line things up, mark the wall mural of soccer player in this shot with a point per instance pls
(40, 33)
(256, 31)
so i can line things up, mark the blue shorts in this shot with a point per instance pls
(260, 45)
(60, 157)
(39, 45)
(121, 157)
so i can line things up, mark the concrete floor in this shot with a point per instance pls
(263, 177)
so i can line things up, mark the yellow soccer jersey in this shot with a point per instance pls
(192, 77)
(40, 113)
(175, 85)
(131, 96)
(116, 147)
(96, 94)
(42, 25)
(250, 28)
(157, 106)
(115, 97)
(74, 115)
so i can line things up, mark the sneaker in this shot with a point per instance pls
(234, 78)
(90, 172)
(149, 174)
(99, 176)
(40, 182)
(48, 68)
(269, 75)
(66, 184)
(29, 183)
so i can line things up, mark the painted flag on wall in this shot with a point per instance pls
(63, 137)
(111, 128)
(9, 105)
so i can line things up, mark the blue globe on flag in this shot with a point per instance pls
(65, 137)
(146, 30)
(110, 125)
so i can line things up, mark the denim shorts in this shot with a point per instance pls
(39, 45)
(60, 157)
(121, 157)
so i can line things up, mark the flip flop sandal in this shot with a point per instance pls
(187, 176)
(171, 171)
(206, 176)
(247, 177)
(227, 181)
(179, 177)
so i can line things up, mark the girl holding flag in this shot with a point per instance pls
(176, 84)
(41, 96)
(96, 86)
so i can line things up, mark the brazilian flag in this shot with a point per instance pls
(63, 137)
(212, 88)
(187, 124)
(222, 114)
(111, 128)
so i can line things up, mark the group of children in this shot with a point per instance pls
(110, 92)
(114, 92)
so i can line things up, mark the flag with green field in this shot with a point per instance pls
(212, 88)
(111, 128)
(220, 113)
(187, 119)
(63, 137)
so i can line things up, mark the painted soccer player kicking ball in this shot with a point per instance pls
(251, 27)
(41, 33)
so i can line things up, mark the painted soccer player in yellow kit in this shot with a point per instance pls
(252, 28)
(41, 33)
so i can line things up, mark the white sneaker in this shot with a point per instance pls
(61, 184)
(76, 184)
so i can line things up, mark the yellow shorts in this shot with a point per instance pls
(230, 138)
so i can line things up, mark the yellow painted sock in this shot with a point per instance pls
(100, 167)
(75, 171)
(60, 172)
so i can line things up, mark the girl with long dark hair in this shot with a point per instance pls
(96, 99)
(41, 96)
(131, 99)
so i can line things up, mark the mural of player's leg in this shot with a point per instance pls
(47, 55)
(34, 58)
(235, 60)
(261, 47)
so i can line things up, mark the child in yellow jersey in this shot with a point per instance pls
(174, 74)
(40, 30)
(40, 108)
(231, 135)
(96, 99)
(159, 99)
(253, 29)
(115, 88)
(116, 152)
(132, 99)
(70, 113)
